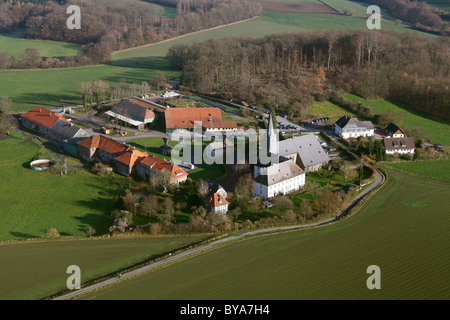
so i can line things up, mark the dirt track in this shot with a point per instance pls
(289, 7)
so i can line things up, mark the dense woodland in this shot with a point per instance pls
(107, 28)
(419, 14)
(290, 71)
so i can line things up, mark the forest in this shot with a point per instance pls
(419, 14)
(291, 71)
(107, 28)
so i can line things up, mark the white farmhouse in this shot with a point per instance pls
(347, 127)
(400, 146)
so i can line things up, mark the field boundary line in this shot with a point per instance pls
(181, 36)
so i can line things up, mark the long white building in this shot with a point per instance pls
(347, 127)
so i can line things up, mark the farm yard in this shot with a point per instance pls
(203, 172)
(390, 230)
(40, 267)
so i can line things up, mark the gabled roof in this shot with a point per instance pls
(43, 117)
(279, 172)
(184, 118)
(104, 143)
(393, 128)
(68, 130)
(406, 143)
(148, 104)
(216, 200)
(155, 163)
(346, 120)
(134, 109)
(307, 147)
(342, 122)
(130, 157)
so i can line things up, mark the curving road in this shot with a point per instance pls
(378, 181)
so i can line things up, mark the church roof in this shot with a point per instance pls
(308, 148)
(278, 173)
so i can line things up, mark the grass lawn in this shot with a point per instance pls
(14, 43)
(404, 233)
(328, 109)
(38, 270)
(32, 202)
(439, 130)
(438, 169)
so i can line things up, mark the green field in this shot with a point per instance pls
(331, 21)
(404, 233)
(33, 202)
(15, 45)
(38, 270)
(440, 131)
(57, 87)
(438, 170)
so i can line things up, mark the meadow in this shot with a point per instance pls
(37, 270)
(15, 45)
(404, 233)
(439, 130)
(33, 202)
(57, 87)
(327, 109)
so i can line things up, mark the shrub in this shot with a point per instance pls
(348, 11)
(52, 233)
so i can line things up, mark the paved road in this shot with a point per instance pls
(379, 180)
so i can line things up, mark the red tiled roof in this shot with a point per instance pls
(184, 118)
(216, 200)
(106, 144)
(130, 157)
(155, 163)
(43, 117)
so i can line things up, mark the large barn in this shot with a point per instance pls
(183, 119)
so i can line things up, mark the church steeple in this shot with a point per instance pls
(271, 135)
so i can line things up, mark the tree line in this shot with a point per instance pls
(290, 71)
(107, 28)
(418, 13)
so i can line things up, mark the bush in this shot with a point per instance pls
(100, 169)
(52, 233)
(348, 11)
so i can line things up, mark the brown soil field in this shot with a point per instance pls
(289, 7)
